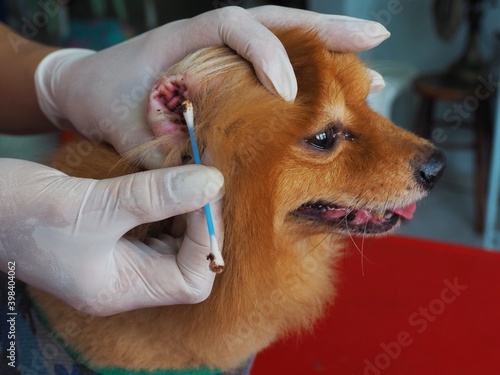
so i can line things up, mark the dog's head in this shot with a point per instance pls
(324, 163)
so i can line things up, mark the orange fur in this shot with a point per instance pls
(279, 269)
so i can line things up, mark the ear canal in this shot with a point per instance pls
(163, 111)
(165, 117)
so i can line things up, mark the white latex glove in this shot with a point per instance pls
(65, 235)
(102, 95)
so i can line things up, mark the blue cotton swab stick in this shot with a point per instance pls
(215, 256)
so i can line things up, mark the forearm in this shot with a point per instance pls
(20, 113)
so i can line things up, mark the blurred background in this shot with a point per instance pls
(428, 37)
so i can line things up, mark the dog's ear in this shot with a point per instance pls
(166, 120)
(164, 105)
(377, 82)
(205, 77)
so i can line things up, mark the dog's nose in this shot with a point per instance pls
(429, 172)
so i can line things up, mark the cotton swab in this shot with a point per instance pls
(215, 256)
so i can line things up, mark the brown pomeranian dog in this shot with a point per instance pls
(299, 177)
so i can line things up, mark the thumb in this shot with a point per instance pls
(154, 195)
(152, 158)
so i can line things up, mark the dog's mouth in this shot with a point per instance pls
(355, 220)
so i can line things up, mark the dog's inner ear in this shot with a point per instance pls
(164, 106)
(166, 118)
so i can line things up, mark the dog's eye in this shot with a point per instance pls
(325, 140)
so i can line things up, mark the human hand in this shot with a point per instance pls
(66, 235)
(102, 95)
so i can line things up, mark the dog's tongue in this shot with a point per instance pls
(406, 212)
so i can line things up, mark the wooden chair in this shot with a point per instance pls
(470, 105)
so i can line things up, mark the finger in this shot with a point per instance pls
(128, 140)
(253, 41)
(153, 158)
(164, 244)
(149, 158)
(238, 29)
(197, 242)
(339, 33)
(165, 279)
(146, 278)
(153, 195)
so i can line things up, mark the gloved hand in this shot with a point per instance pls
(65, 235)
(102, 95)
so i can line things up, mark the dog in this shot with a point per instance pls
(299, 178)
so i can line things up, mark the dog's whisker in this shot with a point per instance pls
(317, 245)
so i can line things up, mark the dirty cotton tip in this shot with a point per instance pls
(278, 76)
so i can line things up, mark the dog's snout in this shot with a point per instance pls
(431, 169)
